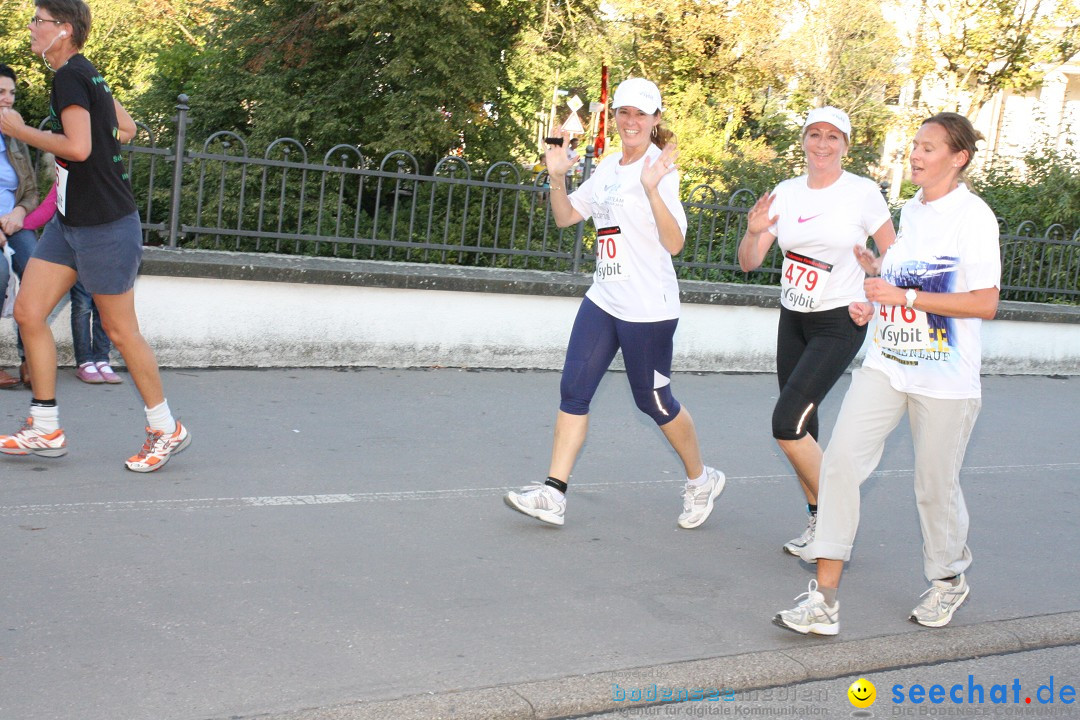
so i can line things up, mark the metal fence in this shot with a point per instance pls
(344, 204)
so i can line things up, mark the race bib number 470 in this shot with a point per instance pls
(611, 266)
(802, 282)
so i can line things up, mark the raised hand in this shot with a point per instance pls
(555, 158)
(870, 263)
(758, 220)
(653, 172)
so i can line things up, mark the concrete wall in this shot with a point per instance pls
(205, 309)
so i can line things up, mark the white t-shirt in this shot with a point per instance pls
(948, 245)
(816, 231)
(634, 278)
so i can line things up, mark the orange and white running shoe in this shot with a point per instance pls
(31, 441)
(158, 448)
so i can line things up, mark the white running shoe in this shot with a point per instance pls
(698, 500)
(540, 501)
(30, 440)
(795, 546)
(811, 615)
(939, 602)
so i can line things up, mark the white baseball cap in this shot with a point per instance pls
(640, 93)
(829, 114)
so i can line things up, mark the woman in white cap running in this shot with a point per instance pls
(817, 218)
(633, 304)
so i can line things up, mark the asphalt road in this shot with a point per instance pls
(336, 539)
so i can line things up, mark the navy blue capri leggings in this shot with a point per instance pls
(812, 351)
(646, 349)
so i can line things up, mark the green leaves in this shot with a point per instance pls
(991, 45)
(1046, 189)
(414, 75)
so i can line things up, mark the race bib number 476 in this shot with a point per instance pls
(902, 328)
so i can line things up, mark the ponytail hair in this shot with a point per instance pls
(661, 135)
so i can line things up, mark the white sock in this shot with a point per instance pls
(46, 419)
(160, 418)
(700, 480)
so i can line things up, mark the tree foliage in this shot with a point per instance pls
(1047, 191)
(127, 39)
(979, 47)
(563, 48)
(472, 76)
(715, 60)
(411, 74)
(845, 54)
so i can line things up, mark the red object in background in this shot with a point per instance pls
(601, 127)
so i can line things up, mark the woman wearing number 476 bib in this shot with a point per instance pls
(817, 218)
(633, 304)
(96, 238)
(937, 283)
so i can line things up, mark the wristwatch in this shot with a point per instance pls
(911, 295)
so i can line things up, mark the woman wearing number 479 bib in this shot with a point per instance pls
(937, 283)
(817, 218)
(96, 238)
(633, 304)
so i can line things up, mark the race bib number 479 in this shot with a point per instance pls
(802, 282)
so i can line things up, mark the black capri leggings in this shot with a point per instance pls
(812, 351)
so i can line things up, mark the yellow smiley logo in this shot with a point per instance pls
(862, 693)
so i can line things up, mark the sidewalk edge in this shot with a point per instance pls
(819, 659)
